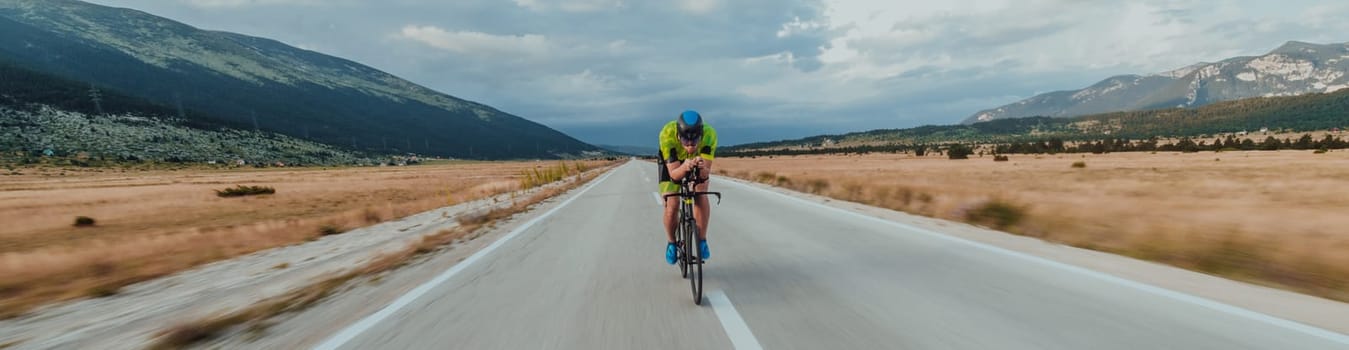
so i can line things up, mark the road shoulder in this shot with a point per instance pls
(1303, 309)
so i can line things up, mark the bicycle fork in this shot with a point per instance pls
(690, 232)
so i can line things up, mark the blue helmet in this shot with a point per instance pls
(690, 125)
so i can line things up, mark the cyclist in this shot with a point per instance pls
(686, 143)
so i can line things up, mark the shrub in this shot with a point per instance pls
(905, 195)
(372, 216)
(1000, 158)
(852, 191)
(1319, 151)
(764, 177)
(996, 213)
(84, 221)
(241, 190)
(817, 186)
(180, 337)
(1079, 164)
(329, 230)
(959, 151)
(102, 290)
(1232, 253)
(102, 269)
(542, 176)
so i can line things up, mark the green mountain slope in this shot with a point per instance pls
(245, 81)
(43, 115)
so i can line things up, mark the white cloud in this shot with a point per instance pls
(798, 26)
(1042, 35)
(576, 6)
(699, 6)
(242, 3)
(894, 63)
(585, 83)
(478, 43)
(617, 46)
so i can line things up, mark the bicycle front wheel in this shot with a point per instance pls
(696, 262)
(681, 252)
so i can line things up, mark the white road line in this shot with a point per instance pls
(349, 333)
(1200, 301)
(735, 327)
(656, 195)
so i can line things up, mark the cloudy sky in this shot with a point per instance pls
(613, 71)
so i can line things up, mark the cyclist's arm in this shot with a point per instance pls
(707, 152)
(678, 169)
(706, 165)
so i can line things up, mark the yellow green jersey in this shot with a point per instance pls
(672, 150)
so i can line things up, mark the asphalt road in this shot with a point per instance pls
(788, 274)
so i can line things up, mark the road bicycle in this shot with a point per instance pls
(689, 258)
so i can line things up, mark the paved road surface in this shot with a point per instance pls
(789, 274)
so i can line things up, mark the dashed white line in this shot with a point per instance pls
(736, 329)
(349, 333)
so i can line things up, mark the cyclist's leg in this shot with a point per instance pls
(666, 186)
(702, 211)
(671, 208)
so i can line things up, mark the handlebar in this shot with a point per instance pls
(693, 194)
(692, 178)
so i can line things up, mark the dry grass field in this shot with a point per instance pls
(153, 223)
(1274, 218)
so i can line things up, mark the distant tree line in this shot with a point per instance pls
(888, 148)
(1186, 144)
(953, 150)
(1057, 145)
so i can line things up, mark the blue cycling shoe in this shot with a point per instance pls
(670, 253)
(702, 249)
